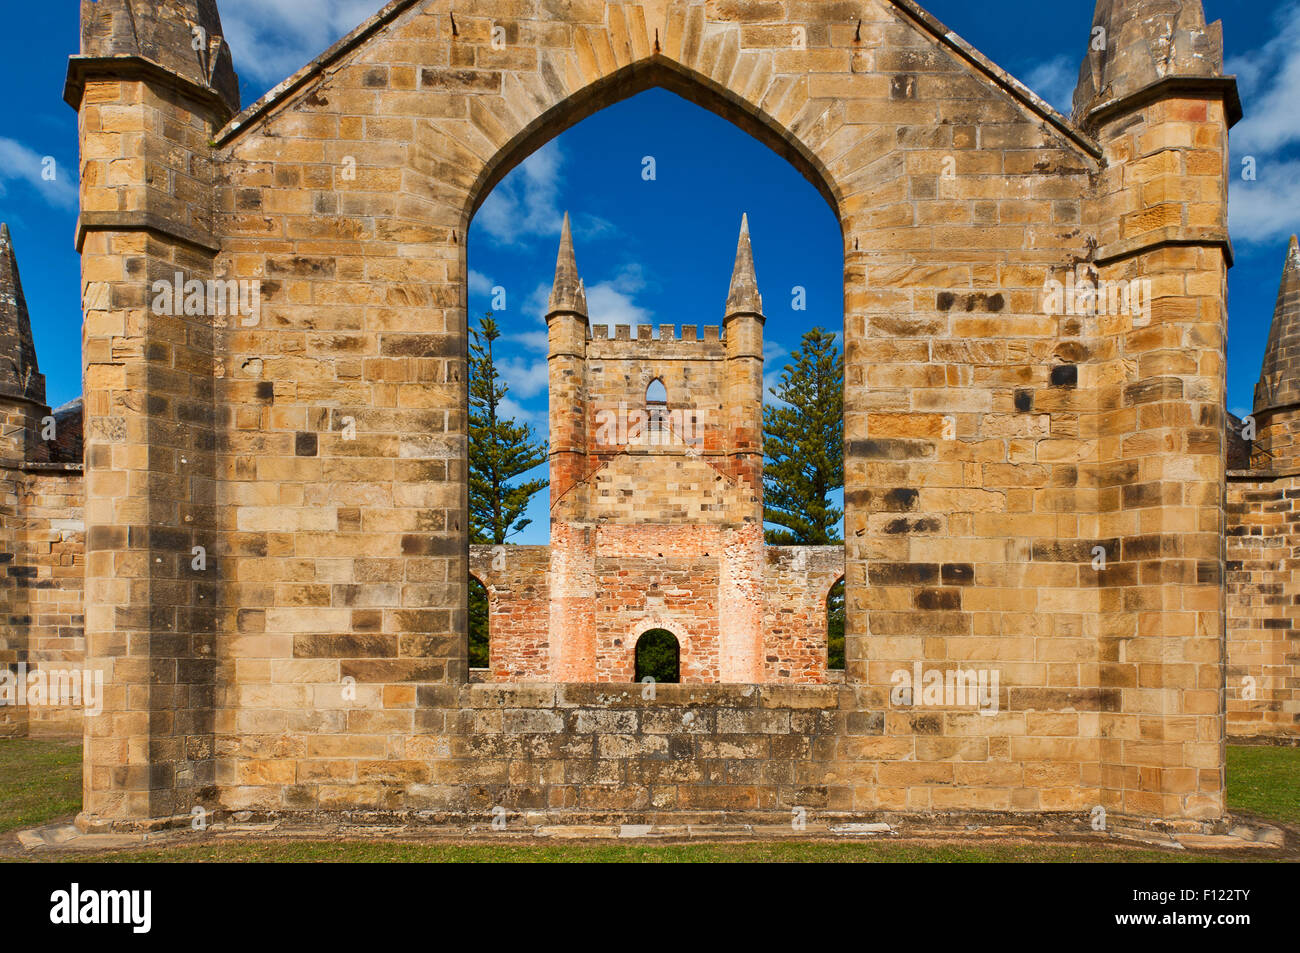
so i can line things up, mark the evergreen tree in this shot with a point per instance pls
(478, 624)
(803, 442)
(500, 451)
(835, 627)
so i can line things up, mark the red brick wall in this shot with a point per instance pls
(662, 577)
(519, 595)
(797, 580)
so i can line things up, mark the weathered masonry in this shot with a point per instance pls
(997, 435)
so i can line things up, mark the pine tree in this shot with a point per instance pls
(835, 627)
(803, 442)
(478, 624)
(500, 451)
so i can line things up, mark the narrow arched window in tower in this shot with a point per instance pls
(658, 656)
(835, 627)
(479, 626)
(656, 410)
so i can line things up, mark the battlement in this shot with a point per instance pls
(711, 333)
(664, 340)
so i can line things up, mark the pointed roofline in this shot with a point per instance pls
(743, 296)
(20, 372)
(1279, 374)
(568, 293)
(1018, 91)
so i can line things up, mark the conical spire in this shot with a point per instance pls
(1135, 43)
(19, 376)
(1279, 381)
(165, 32)
(744, 297)
(568, 294)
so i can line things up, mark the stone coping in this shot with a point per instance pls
(89, 833)
(667, 695)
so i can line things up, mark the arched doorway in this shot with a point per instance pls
(658, 656)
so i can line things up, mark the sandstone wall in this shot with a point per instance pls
(1263, 643)
(43, 555)
(991, 446)
(944, 326)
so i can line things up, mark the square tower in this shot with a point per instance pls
(656, 485)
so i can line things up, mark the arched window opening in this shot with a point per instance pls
(649, 270)
(658, 656)
(479, 626)
(835, 627)
(656, 408)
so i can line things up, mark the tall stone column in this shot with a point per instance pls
(152, 84)
(1153, 94)
(572, 577)
(740, 604)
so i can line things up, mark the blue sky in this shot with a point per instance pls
(650, 251)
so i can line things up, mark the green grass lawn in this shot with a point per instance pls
(1265, 780)
(648, 853)
(40, 782)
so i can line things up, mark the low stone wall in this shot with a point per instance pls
(586, 753)
(43, 562)
(1263, 544)
(643, 752)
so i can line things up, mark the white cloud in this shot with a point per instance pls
(1269, 78)
(607, 305)
(537, 302)
(1265, 210)
(612, 302)
(630, 279)
(479, 284)
(537, 418)
(1054, 81)
(273, 39)
(18, 163)
(525, 377)
(531, 340)
(774, 356)
(525, 204)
